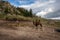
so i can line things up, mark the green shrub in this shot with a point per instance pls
(1, 15)
(10, 17)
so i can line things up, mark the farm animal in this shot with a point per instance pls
(36, 23)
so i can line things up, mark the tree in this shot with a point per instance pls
(3, 0)
(30, 12)
(0, 0)
(6, 10)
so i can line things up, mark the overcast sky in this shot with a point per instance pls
(40, 7)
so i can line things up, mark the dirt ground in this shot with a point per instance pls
(29, 33)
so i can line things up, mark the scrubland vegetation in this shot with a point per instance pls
(16, 24)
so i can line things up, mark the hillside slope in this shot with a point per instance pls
(9, 12)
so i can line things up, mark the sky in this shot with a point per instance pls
(43, 8)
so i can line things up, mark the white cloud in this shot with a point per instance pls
(43, 8)
(50, 10)
(37, 4)
(44, 12)
(56, 18)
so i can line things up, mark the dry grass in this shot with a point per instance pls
(10, 30)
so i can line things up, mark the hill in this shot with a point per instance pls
(9, 12)
(12, 13)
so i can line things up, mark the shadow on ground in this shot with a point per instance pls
(57, 30)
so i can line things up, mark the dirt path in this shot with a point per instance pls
(28, 33)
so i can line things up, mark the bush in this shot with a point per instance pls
(10, 17)
(1, 15)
